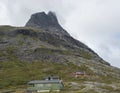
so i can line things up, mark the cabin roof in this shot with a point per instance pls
(44, 81)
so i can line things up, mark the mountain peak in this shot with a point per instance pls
(42, 19)
(47, 21)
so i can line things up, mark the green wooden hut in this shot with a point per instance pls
(45, 85)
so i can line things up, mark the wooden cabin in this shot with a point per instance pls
(79, 74)
(47, 85)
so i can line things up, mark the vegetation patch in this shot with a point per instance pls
(85, 55)
(108, 87)
(6, 28)
(53, 51)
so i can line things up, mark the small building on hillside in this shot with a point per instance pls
(79, 74)
(46, 85)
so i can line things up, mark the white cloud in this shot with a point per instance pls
(94, 22)
(4, 18)
(97, 25)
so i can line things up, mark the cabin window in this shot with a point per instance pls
(39, 85)
(48, 85)
(31, 85)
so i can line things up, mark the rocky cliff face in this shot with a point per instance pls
(43, 33)
(47, 22)
(55, 32)
(44, 20)
(44, 40)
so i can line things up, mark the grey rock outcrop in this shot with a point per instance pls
(47, 22)
(43, 32)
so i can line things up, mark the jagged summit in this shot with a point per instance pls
(46, 21)
(43, 20)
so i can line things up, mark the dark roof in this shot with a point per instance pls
(44, 81)
(53, 77)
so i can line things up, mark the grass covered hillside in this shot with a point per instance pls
(14, 76)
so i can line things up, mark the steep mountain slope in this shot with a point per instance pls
(43, 48)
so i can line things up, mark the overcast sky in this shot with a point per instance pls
(94, 22)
